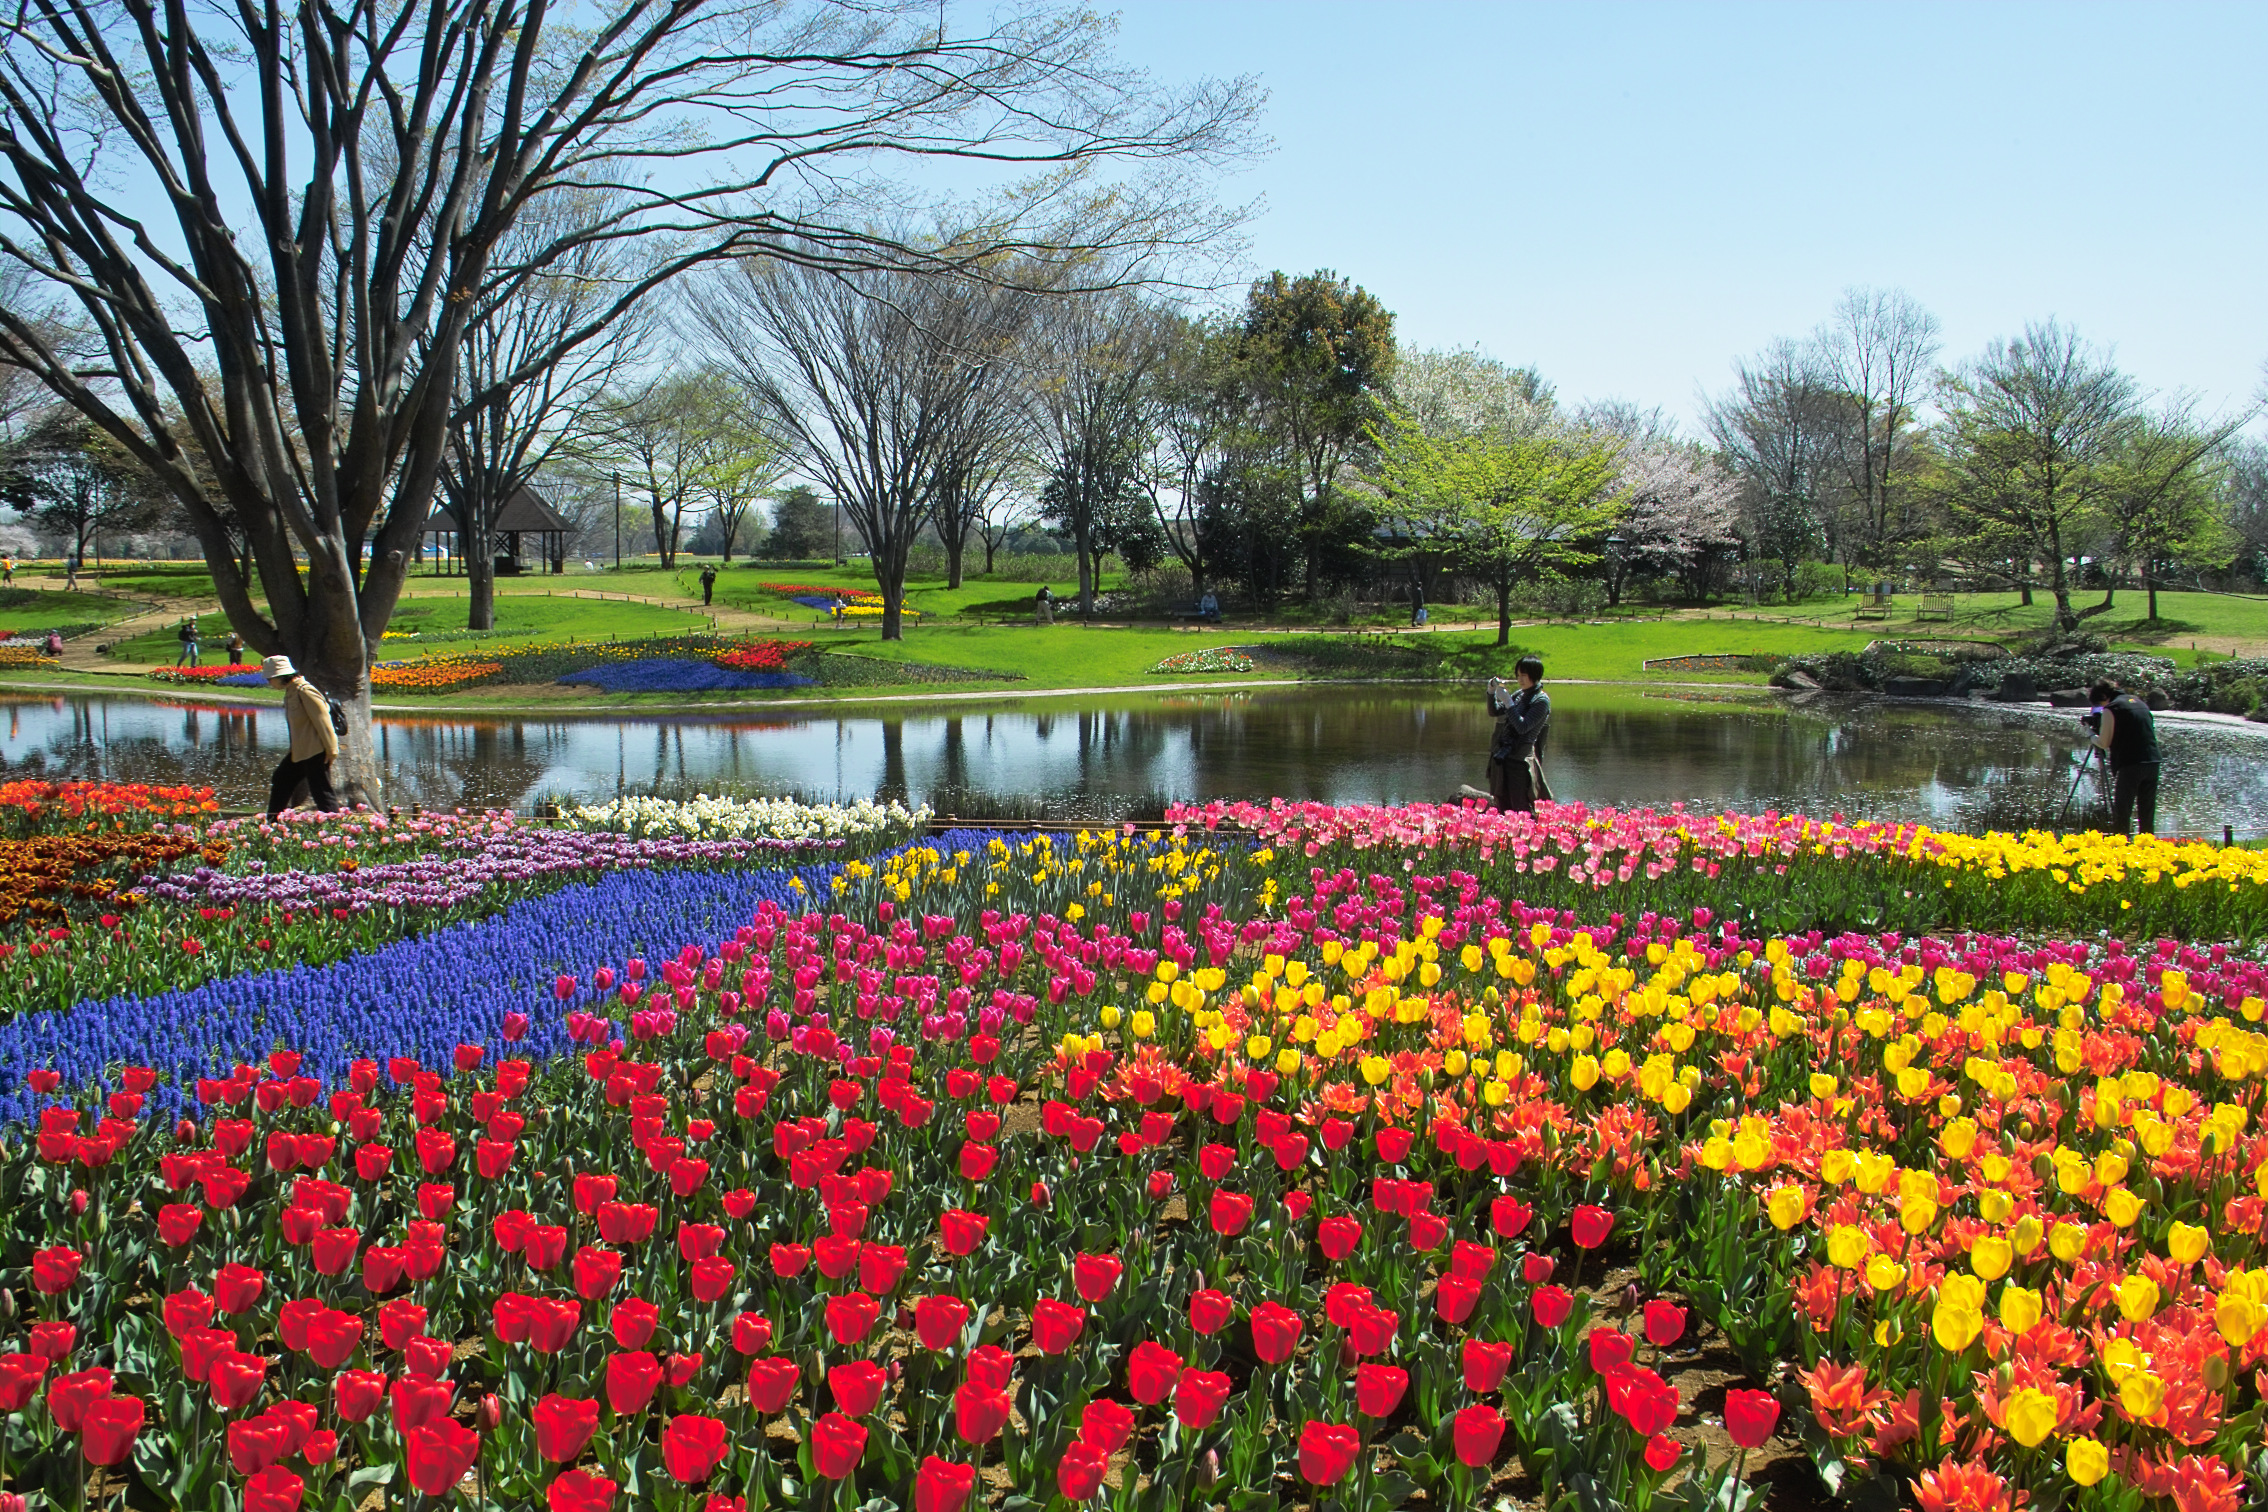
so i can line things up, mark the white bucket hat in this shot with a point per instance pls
(277, 667)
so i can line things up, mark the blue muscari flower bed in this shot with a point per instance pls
(242, 680)
(420, 997)
(675, 675)
(813, 601)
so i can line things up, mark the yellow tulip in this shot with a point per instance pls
(2030, 1415)
(1785, 1207)
(1884, 1273)
(2120, 1357)
(1287, 1062)
(2086, 1461)
(2187, 1243)
(1837, 1167)
(1995, 1206)
(2121, 1207)
(1916, 1214)
(2067, 1242)
(1822, 1085)
(2142, 1395)
(1375, 1069)
(2137, 1298)
(1991, 1256)
(1874, 1171)
(1677, 1098)
(2027, 1235)
(1584, 1073)
(1958, 1139)
(1848, 1246)
(1955, 1323)
(2019, 1308)
(2238, 1318)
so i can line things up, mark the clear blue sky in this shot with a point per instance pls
(1632, 195)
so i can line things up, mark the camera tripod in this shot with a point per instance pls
(2078, 776)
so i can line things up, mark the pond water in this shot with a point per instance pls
(1956, 766)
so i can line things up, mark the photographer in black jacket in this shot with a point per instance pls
(2124, 728)
(1516, 749)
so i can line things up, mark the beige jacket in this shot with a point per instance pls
(307, 714)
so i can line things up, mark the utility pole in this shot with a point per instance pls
(618, 522)
(838, 531)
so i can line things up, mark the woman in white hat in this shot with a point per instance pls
(314, 743)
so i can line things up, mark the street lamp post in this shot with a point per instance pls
(618, 522)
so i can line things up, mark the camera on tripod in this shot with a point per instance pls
(2093, 720)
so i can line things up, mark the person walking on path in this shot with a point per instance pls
(1043, 606)
(1417, 603)
(235, 648)
(189, 653)
(8, 570)
(708, 584)
(314, 740)
(1515, 755)
(71, 575)
(2128, 732)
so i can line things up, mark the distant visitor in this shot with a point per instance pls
(2125, 728)
(313, 726)
(708, 585)
(1515, 755)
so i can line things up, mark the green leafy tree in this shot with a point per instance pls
(1506, 508)
(2165, 496)
(1316, 354)
(802, 527)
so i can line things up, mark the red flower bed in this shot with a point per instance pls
(760, 656)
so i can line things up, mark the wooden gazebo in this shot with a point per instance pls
(526, 513)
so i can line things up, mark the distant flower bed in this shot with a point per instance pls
(825, 595)
(675, 675)
(33, 806)
(706, 818)
(202, 677)
(761, 656)
(17, 654)
(1212, 659)
(874, 611)
(436, 674)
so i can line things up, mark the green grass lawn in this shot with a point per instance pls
(741, 586)
(32, 609)
(520, 616)
(2181, 616)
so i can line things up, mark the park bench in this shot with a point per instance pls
(1876, 605)
(1935, 606)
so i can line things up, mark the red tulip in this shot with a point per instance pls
(334, 1249)
(961, 1231)
(991, 1367)
(789, 1259)
(273, 1489)
(333, 1337)
(1509, 1216)
(708, 1280)
(1056, 1325)
(53, 1341)
(1106, 1424)
(1095, 1275)
(108, 1431)
(1231, 1211)
(1611, 1349)
(1210, 1311)
(943, 1486)
(1371, 1330)
(880, 1266)
(69, 1396)
(1379, 1388)
(632, 1377)
(400, 1321)
(20, 1375)
(938, 1321)
(256, 1443)
(439, 1454)
(596, 1271)
(850, 1317)
(1536, 1268)
(1455, 1298)
(979, 1412)
(177, 1222)
(693, 1447)
(837, 1255)
(358, 1393)
(1591, 1226)
(1662, 1453)
(1275, 1332)
(236, 1379)
(1645, 1401)
(552, 1324)
(1338, 1236)
(1394, 1145)
(580, 1491)
(1485, 1364)
(1151, 1372)
(55, 1268)
(633, 1321)
(1427, 1230)
(857, 1385)
(1327, 1452)
(977, 1160)
(1665, 1323)
(1552, 1304)
(1478, 1430)
(563, 1426)
(1079, 1474)
(237, 1287)
(545, 1246)
(751, 1333)
(837, 1445)
(772, 1384)
(418, 1401)
(1750, 1417)
(1199, 1397)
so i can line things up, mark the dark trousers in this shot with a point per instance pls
(2132, 787)
(1508, 784)
(314, 771)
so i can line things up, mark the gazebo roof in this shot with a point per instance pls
(526, 510)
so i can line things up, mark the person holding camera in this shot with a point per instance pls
(1515, 755)
(2125, 730)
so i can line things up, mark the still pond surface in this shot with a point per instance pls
(1955, 766)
